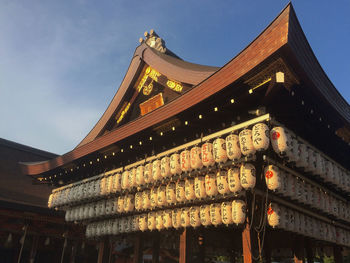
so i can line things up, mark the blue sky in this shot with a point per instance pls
(61, 62)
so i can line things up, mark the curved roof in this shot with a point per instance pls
(283, 36)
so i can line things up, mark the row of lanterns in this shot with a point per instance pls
(215, 214)
(281, 217)
(225, 182)
(233, 147)
(313, 161)
(295, 188)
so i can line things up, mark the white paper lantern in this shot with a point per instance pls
(279, 140)
(196, 158)
(135, 224)
(185, 217)
(109, 207)
(120, 204)
(261, 136)
(293, 155)
(132, 178)
(175, 166)
(273, 177)
(199, 187)
(222, 182)
(274, 215)
(117, 183)
(207, 154)
(156, 170)
(143, 222)
(138, 201)
(140, 179)
(195, 220)
(103, 186)
(234, 182)
(219, 150)
(154, 197)
(125, 180)
(185, 161)
(176, 218)
(92, 210)
(180, 191)
(146, 203)
(101, 208)
(226, 213)
(246, 142)
(110, 182)
(238, 211)
(170, 193)
(159, 221)
(205, 215)
(247, 176)
(312, 161)
(233, 149)
(151, 221)
(129, 203)
(147, 173)
(68, 215)
(189, 189)
(215, 214)
(320, 165)
(161, 196)
(210, 185)
(165, 167)
(167, 219)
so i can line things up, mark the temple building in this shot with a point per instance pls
(190, 163)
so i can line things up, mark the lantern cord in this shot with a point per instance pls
(253, 208)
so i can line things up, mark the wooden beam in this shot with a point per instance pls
(338, 256)
(156, 248)
(309, 251)
(298, 250)
(183, 247)
(138, 249)
(247, 244)
(101, 248)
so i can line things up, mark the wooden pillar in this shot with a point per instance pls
(201, 242)
(267, 251)
(247, 244)
(33, 249)
(156, 248)
(309, 251)
(298, 250)
(101, 248)
(138, 249)
(184, 253)
(338, 256)
(74, 252)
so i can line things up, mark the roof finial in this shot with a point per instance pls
(154, 41)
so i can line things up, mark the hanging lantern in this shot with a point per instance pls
(68, 214)
(233, 149)
(109, 206)
(219, 150)
(238, 211)
(154, 197)
(176, 218)
(226, 213)
(125, 180)
(336, 176)
(120, 204)
(140, 179)
(312, 161)
(303, 156)
(196, 158)
(129, 203)
(279, 140)
(175, 166)
(293, 155)
(161, 196)
(138, 201)
(101, 208)
(291, 181)
(234, 182)
(247, 176)
(222, 182)
(205, 215)
(92, 210)
(156, 170)
(159, 221)
(185, 217)
(103, 186)
(273, 178)
(246, 142)
(180, 191)
(165, 167)
(132, 178)
(151, 221)
(167, 219)
(215, 214)
(296, 222)
(195, 216)
(135, 223)
(124, 225)
(147, 173)
(97, 189)
(117, 183)
(185, 161)
(261, 136)
(189, 189)
(170, 193)
(143, 222)
(210, 185)
(146, 204)
(109, 184)
(199, 187)
(274, 215)
(207, 154)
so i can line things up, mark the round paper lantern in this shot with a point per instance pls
(151, 221)
(68, 214)
(189, 189)
(135, 223)
(196, 157)
(226, 213)
(185, 161)
(103, 186)
(156, 170)
(302, 223)
(219, 150)
(291, 181)
(176, 218)
(180, 191)
(320, 165)
(146, 203)
(165, 167)
(49, 202)
(117, 182)
(279, 140)
(125, 180)
(153, 197)
(210, 185)
(140, 179)
(129, 203)
(205, 215)
(124, 225)
(101, 210)
(261, 136)
(167, 219)
(215, 214)
(175, 166)
(120, 204)
(234, 182)
(312, 161)
(199, 187)
(138, 201)
(195, 220)
(246, 142)
(143, 222)
(185, 217)
(109, 206)
(274, 216)
(207, 154)
(161, 196)
(110, 184)
(233, 149)
(159, 221)
(222, 182)
(293, 155)
(147, 173)
(170, 193)
(296, 222)
(98, 229)
(238, 211)
(132, 178)
(247, 176)
(337, 174)
(92, 210)
(273, 177)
